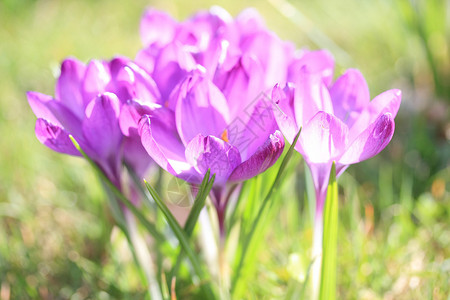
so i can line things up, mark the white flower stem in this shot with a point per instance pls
(317, 248)
(143, 256)
(208, 242)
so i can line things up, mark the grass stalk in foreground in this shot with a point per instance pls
(199, 203)
(128, 226)
(184, 243)
(329, 244)
(254, 225)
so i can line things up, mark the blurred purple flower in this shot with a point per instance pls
(210, 40)
(87, 104)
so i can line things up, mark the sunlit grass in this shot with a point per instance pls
(57, 238)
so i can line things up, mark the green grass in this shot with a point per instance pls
(57, 238)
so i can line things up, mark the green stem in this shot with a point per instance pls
(262, 208)
(329, 245)
(420, 26)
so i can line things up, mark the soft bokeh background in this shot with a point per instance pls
(56, 237)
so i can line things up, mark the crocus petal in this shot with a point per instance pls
(249, 21)
(311, 96)
(323, 138)
(165, 133)
(371, 141)
(201, 108)
(319, 62)
(284, 114)
(217, 51)
(39, 104)
(145, 87)
(241, 85)
(221, 14)
(387, 102)
(172, 65)
(133, 150)
(95, 80)
(131, 113)
(252, 127)
(101, 126)
(122, 79)
(54, 137)
(164, 147)
(132, 82)
(116, 65)
(146, 58)
(263, 158)
(157, 27)
(350, 95)
(68, 89)
(272, 53)
(199, 30)
(209, 152)
(135, 154)
(54, 111)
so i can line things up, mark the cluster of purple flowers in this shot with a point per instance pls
(214, 92)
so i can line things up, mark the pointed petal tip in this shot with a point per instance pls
(132, 112)
(54, 137)
(263, 158)
(144, 123)
(106, 101)
(36, 96)
(70, 64)
(371, 141)
(353, 71)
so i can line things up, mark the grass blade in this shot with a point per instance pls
(122, 222)
(183, 240)
(191, 221)
(199, 202)
(251, 232)
(151, 228)
(310, 193)
(329, 245)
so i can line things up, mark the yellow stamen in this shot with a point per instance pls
(224, 136)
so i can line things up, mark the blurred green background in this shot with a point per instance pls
(56, 237)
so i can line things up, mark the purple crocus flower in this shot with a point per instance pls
(212, 71)
(201, 130)
(87, 104)
(210, 40)
(339, 122)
